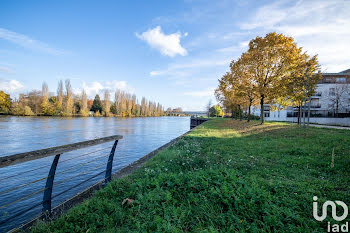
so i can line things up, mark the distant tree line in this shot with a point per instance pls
(66, 103)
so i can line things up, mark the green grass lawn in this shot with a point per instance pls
(225, 176)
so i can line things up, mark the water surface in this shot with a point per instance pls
(23, 134)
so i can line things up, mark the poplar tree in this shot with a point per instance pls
(107, 104)
(117, 102)
(84, 109)
(45, 99)
(143, 106)
(69, 98)
(133, 105)
(59, 103)
(128, 104)
(122, 103)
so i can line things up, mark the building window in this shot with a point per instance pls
(328, 79)
(315, 101)
(341, 80)
(332, 91)
(267, 114)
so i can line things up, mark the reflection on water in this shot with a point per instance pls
(23, 134)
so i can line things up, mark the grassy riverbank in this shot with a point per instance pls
(224, 176)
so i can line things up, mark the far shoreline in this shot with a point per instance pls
(80, 116)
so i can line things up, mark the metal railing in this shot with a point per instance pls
(47, 190)
(195, 121)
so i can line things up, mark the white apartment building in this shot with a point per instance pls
(329, 105)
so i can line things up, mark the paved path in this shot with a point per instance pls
(330, 126)
(326, 126)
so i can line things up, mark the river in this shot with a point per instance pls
(24, 134)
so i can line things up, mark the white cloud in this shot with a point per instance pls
(320, 27)
(244, 44)
(94, 88)
(266, 16)
(10, 86)
(5, 69)
(168, 45)
(241, 47)
(113, 85)
(29, 43)
(181, 69)
(156, 72)
(204, 93)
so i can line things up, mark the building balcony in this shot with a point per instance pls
(315, 106)
(317, 94)
(295, 109)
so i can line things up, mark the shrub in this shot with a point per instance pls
(28, 111)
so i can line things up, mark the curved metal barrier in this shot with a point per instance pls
(58, 153)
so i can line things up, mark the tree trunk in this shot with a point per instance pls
(262, 114)
(336, 109)
(232, 113)
(239, 112)
(250, 104)
(299, 114)
(308, 112)
(304, 112)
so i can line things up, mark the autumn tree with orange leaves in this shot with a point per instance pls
(265, 73)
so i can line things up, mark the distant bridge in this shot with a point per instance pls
(189, 113)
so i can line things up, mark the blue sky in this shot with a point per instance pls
(168, 51)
